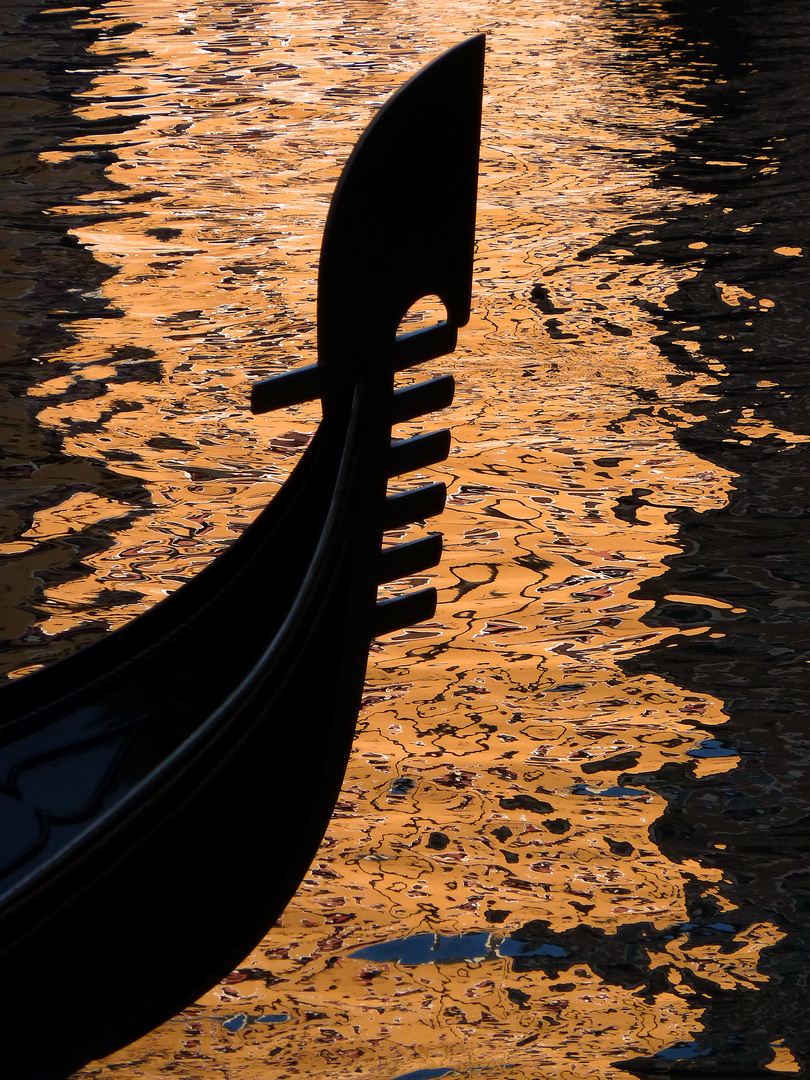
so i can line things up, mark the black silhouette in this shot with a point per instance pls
(165, 789)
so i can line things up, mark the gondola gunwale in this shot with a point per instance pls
(160, 620)
(211, 728)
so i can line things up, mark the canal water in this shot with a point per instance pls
(572, 840)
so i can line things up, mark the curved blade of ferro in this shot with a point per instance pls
(401, 226)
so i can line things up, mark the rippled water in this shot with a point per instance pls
(571, 838)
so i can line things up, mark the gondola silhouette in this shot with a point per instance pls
(165, 789)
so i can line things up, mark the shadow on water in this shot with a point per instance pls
(49, 281)
(740, 328)
(737, 330)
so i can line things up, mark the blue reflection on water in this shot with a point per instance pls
(712, 748)
(449, 948)
(424, 1074)
(235, 1023)
(683, 1051)
(241, 1020)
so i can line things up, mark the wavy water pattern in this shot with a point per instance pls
(524, 876)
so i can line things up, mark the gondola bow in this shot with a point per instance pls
(163, 791)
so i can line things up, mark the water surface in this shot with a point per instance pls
(570, 839)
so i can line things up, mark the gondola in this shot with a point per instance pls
(165, 789)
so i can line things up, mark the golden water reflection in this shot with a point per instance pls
(486, 796)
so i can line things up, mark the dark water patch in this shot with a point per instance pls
(739, 332)
(49, 280)
(614, 763)
(47, 67)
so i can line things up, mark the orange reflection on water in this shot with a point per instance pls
(497, 784)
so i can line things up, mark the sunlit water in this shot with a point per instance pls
(571, 833)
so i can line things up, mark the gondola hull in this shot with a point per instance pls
(164, 791)
(186, 878)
